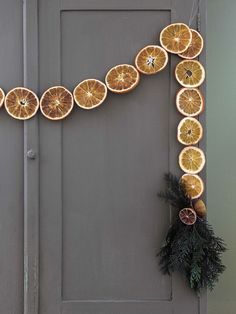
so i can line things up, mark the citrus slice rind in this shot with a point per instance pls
(122, 78)
(189, 131)
(2, 97)
(190, 73)
(195, 47)
(193, 185)
(188, 216)
(192, 160)
(176, 38)
(56, 103)
(151, 59)
(90, 93)
(21, 103)
(189, 101)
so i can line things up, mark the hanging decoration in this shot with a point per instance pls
(195, 47)
(21, 103)
(122, 78)
(56, 103)
(189, 102)
(176, 38)
(193, 184)
(151, 59)
(189, 131)
(90, 93)
(192, 159)
(190, 246)
(190, 73)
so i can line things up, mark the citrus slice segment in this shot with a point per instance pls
(190, 73)
(193, 184)
(190, 131)
(192, 160)
(176, 37)
(56, 103)
(188, 216)
(151, 59)
(195, 47)
(90, 93)
(122, 78)
(21, 103)
(2, 97)
(189, 101)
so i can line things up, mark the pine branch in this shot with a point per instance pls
(174, 194)
(193, 250)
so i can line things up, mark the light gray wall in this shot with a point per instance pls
(221, 142)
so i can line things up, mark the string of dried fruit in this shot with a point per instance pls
(57, 102)
(199, 258)
(191, 246)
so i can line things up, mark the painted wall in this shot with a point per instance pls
(221, 143)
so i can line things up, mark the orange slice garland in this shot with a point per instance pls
(195, 47)
(56, 103)
(122, 78)
(176, 38)
(189, 102)
(90, 93)
(190, 73)
(151, 59)
(21, 103)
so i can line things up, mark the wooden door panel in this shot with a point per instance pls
(109, 168)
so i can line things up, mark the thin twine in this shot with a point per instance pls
(194, 12)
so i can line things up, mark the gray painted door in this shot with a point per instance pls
(11, 163)
(92, 220)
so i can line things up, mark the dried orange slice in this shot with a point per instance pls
(192, 160)
(176, 37)
(188, 216)
(151, 59)
(21, 103)
(190, 73)
(195, 47)
(122, 78)
(56, 103)
(190, 131)
(189, 102)
(193, 184)
(2, 97)
(90, 93)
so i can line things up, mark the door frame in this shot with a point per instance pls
(31, 162)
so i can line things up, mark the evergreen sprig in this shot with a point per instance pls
(193, 250)
(174, 194)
